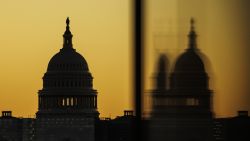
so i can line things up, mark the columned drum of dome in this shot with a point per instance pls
(67, 84)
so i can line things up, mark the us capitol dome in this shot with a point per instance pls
(67, 84)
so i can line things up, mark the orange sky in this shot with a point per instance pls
(31, 33)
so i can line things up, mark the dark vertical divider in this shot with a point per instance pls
(138, 65)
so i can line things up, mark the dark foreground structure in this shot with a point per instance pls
(233, 129)
(181, 105)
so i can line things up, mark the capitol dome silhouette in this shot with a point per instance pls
(67, 60)
(67, 84)
(189, 61)
(189, 70)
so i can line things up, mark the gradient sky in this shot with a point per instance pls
(31, 33)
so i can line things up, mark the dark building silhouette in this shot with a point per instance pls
(238, 127)
(119, 129)
(183, 111)
(15, 129)
(233, 129)
(11, 127)
(67, 107)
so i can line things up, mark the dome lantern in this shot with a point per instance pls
(192, 36)
(67, 43)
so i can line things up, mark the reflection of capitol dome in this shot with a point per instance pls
(183, 106)
(189, 61)
(67, 84)
(189, 71)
